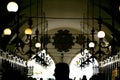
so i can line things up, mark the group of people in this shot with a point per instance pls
(62, 73)
(98, 76)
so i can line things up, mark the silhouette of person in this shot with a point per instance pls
(84, 77)
(41, 78)
(99, 76)
(61, 71)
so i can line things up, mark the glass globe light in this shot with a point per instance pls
(37, 45)
(43, 51)
(86, 51)
(101, 34)
(7, 31)
(12, 7)
(91, 45)
(28, 31)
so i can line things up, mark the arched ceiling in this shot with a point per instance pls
(73, 15)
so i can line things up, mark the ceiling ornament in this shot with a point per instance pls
(63, 40)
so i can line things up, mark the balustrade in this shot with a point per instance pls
(12, 67)
(111, 67)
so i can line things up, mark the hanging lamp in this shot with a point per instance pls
(12, 6)
(7, 31)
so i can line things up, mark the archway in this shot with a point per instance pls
(37, 70)
(77, 71)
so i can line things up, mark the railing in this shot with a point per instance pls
(110, 60)
(111, 67)
(12, 67)
(12, 59)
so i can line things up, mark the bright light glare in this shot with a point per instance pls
(40, 71)
(86, 51)
(7, 31)
(12, 7)
(37, 45)
(91, 44)
(28, 31)
(101, 34)
(77, 72)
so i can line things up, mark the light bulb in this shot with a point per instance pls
(7, 31)
(37, 45)
(28, 31)
(91, 45)
(12, 7)
(101, 34)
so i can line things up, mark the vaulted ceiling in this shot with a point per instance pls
(71, 17)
